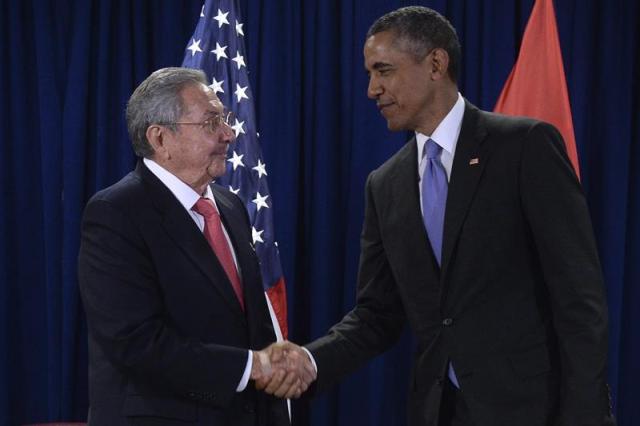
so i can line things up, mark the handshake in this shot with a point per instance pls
(282, 369)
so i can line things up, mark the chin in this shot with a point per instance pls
(216, 170)
(395, 126)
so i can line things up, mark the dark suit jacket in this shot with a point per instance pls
(518, 305)
(168, 339)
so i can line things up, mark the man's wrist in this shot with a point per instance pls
(313, 361)
(248, 369)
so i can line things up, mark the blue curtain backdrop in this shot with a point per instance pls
(68, 67)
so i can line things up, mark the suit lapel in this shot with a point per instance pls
(468, 164)
(181, 228)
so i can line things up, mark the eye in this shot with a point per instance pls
(210, 124)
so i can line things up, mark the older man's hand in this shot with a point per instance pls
(283, 369)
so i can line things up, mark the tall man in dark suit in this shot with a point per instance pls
(477, 234)
(169, 278)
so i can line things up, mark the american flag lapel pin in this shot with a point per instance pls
(474, 161)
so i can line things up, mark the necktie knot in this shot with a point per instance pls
(205, 207)
(432, 149)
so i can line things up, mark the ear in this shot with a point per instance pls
(157, 136)
(439, 64)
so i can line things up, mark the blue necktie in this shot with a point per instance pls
(434, 196)
(434, 200)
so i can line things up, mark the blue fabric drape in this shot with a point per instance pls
(68, 67)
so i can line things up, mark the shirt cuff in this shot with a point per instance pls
(313, 361)
(247, 373)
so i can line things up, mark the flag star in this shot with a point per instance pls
(237, 127)
(216, 86)
(241, 92)
(220, 51)
(239, 59)
(195, 46)
(260, 169)
(239, 30)
(235, 191)
(202, 12)
(236, 160)
(256, 235)
(221, 18)
(260, 201)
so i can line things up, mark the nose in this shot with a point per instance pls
(374, 89)
(227, 135)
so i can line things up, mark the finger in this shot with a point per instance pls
(288, 387)
(286, 384)
(299, 393)
(308, 366)
(304, 385)
(307, 375)
(276, 381)
(294, 392)
(261, 383)
(277, 353)
(310, 370)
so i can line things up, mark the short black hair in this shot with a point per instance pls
(420, 30)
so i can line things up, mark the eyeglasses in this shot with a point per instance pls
(226, 117)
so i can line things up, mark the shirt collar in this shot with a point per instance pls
(183, 192)
(447, 132)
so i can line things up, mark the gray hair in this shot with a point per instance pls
(157, 100)
(420, 30)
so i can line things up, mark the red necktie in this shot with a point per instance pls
(215, 236)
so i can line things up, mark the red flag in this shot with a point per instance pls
(537, 86)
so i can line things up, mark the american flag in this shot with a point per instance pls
(217, 47)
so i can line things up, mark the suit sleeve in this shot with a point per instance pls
(378, 318)
(557, 213)
(127, 319)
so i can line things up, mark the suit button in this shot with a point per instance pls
(447, 322)
(439, 382)
(248, 408)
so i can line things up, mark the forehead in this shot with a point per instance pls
(383, 49)
(200, 99)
